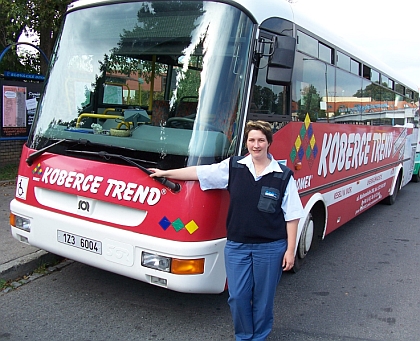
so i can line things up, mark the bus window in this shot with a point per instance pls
(313, 89)
(386, 82)
(268, 101)
(355, 67)
(343, 61)
(178, 93)
(348, 94)
(326, 53)
(374, 76)
(307, 44)
(399, 88)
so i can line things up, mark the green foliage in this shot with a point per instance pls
(8, 172)
(376, 93)
(3, 284)
(120, 60)
(189, 84)
(310, 104)
(37, 18)
(11, 26)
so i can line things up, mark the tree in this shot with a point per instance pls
(40, 19)
(11, 27)
(376, 92)
(310, 104)
(120, 59)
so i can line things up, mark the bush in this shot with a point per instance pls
(8, 172)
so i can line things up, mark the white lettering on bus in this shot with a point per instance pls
(141, 194)
(72, 180)
(90, 183)
(129, 191)
(153, 197)
(345, 151)
(122, 191)
(304, 182)
(382, 146)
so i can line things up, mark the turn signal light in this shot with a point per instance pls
(12, 219)
(187, 266)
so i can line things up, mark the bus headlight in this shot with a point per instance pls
(153, 261)
(173, 265)
(20, 222)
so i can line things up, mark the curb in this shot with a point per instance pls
(7, 182)
(12, 285)
(27, 264)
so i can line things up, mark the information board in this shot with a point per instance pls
(19, 101)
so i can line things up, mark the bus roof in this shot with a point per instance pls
(263, 9)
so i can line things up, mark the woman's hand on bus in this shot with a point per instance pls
(187, 173)
(157, 173)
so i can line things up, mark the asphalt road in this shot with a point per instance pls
(362, 284)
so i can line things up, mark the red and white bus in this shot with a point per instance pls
(139, 84)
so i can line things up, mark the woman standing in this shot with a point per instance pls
(262, 221)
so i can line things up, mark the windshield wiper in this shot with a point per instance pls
(173, 186)
(38, 153)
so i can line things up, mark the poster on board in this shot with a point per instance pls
(19, 101)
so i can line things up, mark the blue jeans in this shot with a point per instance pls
(253, 272)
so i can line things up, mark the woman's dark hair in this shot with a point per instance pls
(262, 126)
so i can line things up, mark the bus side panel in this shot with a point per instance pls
(353, 167)
(416, 170)
(417, 164)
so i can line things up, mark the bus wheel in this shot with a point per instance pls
(390, 200)
(305, 242)
(416, 177)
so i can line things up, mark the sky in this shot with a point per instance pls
(388, 30)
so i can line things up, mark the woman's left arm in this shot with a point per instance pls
(293, 211)
(289, 256)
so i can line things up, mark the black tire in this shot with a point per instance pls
(390, 200)
(305, 242)
(416, 177)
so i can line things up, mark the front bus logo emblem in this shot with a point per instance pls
(83, 205)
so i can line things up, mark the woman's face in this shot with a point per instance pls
(257, 144)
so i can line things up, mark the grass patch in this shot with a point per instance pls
(3, 284)
(42, 269)
(8, 172)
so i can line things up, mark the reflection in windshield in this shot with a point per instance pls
(163, 79)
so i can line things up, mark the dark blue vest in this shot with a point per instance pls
(255, 214)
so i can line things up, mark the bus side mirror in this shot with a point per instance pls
(280, 63)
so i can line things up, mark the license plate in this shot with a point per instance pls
(80, 242)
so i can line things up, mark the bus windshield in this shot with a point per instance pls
(157, 81)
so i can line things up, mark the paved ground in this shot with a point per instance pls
(16, 259)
